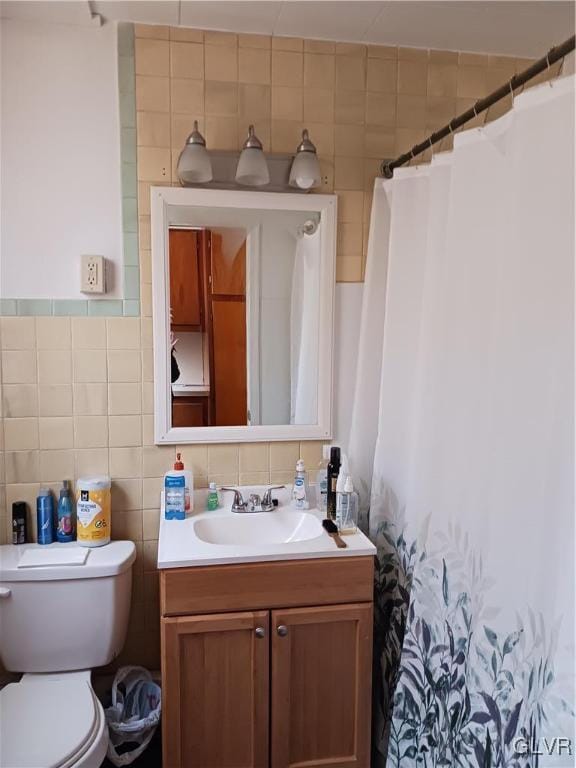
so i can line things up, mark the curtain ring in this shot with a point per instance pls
(548, 60)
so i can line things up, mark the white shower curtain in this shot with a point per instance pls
(462, 441)
(304, 319)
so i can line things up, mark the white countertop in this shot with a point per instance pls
(190, 390)
(179, 545)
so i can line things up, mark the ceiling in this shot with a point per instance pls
(512, 27)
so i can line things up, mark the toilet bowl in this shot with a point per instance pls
(60, 619)
(52, 721)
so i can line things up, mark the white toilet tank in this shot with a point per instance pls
(57, 616)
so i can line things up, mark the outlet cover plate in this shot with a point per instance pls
(93, 278)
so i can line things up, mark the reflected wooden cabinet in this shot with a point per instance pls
(186, 284)
(267, 688)
(190, 412)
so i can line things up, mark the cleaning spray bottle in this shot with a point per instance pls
(65, 529)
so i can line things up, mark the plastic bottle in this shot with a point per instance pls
(300, 490)
(346, 506)
(333, 471)
(45, 516)
(322, 480)
(212, 501)
(341, 499)
(175, 492)
(65, 528)
(188, 481)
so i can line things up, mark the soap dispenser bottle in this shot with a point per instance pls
(300, 489)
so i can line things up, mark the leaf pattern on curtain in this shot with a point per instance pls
(448, 689)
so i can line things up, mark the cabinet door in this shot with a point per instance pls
(185, 280)
(187, 412)
(321, 686)
(215, 691)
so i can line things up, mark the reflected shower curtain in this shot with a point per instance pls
(469, 471)
(304, 324)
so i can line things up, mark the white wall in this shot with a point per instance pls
(60, 164)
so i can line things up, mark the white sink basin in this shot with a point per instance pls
(223, 537)
(248, 529)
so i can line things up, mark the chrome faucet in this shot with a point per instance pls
(255, 503)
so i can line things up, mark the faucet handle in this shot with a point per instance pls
(267, 498)
(238, 504)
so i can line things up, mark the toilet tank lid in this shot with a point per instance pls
(110, 560)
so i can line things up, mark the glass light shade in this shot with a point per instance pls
(305, 171)
(252, 170)
(194, 166)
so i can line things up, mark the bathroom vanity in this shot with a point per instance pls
(266, 643)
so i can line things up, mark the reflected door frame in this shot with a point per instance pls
(253, 280)
(164, 201)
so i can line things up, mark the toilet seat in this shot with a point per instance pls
(51, 721)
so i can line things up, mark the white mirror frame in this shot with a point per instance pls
(161, 198)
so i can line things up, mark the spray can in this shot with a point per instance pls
(45, 516)
(19, 522)
(65, 529)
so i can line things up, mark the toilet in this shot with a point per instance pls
(63, 611)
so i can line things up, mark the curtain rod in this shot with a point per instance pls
(553, 55)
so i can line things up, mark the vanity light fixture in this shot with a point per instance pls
(194, 166)
(252, 170)
(305, 171)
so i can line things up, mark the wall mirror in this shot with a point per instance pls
(243, 295)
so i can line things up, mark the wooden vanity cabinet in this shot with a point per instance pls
(271, 687)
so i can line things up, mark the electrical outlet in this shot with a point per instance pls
(93, 278)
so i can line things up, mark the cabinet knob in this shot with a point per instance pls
(282, 630)
(259, 632)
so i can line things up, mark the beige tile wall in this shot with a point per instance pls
(77, 398)
(77, 393)
(360, 103)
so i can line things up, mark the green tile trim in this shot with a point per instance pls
(8, 307)
(127, 101)
(131, 258)
(106, 308)
(70, 307)
(130, 214)
(34, 307)
(129, 305)
(131, 308)
(131, 282)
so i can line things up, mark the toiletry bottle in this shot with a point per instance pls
(188, 481)
(300, 490)
(174, 495)
(346, 505)
(45, 516)
(333, 472)
(212, 501)
(349, 520)
(19, 522)
(65, 529)
(322, 480)
(341, 499)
